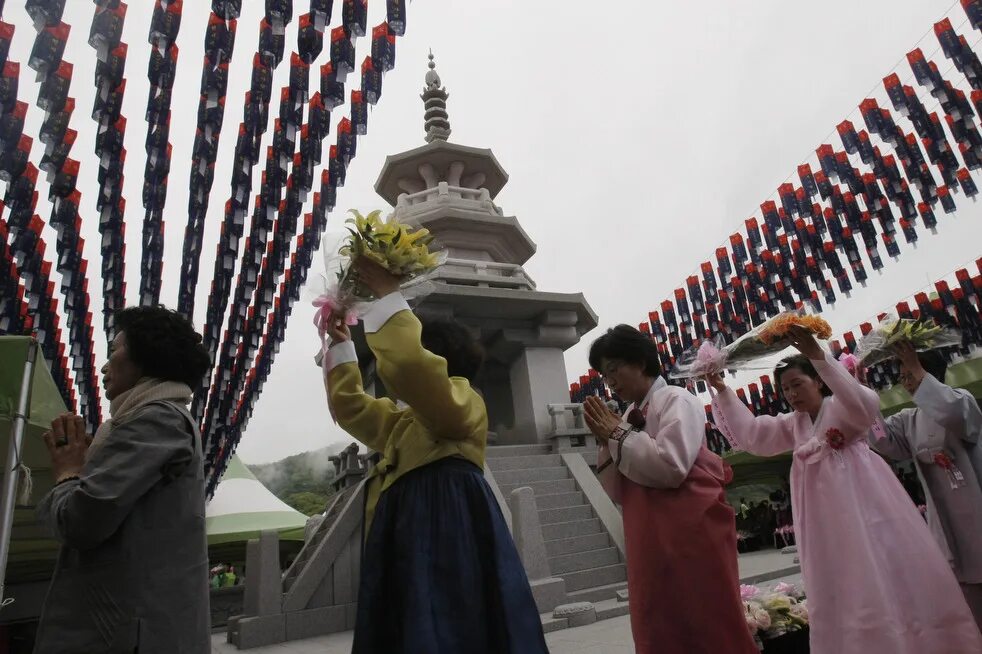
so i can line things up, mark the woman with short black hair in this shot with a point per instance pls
(129, 505)
(678, 528)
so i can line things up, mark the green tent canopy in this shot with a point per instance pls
(242, 508)
(32, 552)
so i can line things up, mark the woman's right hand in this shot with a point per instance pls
(715, 380)
(337, 329)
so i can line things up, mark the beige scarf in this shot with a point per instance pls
(127, 403)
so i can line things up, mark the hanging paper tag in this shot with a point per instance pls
(955, 476)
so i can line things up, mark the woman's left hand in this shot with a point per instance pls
(804, 341)
(67, 443)
(376, 278)
(599, 419)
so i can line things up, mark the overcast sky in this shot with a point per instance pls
(637, 137)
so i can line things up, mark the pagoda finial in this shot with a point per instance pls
(436, 121)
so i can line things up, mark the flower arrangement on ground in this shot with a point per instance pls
(774, 612)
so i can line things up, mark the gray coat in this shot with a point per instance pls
(132, 574)
(949, 420)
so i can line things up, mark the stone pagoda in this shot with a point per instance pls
(450, 190)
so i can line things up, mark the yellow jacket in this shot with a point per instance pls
(445, 416)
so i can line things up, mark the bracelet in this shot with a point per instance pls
(67, 479)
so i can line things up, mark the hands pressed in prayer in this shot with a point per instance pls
(804, 341)
(67, 444)
(376, 278)
(599, 418)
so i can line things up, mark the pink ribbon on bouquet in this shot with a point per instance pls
(328, 306)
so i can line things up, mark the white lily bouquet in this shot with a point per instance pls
(400, 248)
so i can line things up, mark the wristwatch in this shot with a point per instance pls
(620, 432)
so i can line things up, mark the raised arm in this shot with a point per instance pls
(860, 406)
(447, 406)
(367, 419)
(760, 435)
(894, 443)
(664, 458)
(85, 512)
(954, 409)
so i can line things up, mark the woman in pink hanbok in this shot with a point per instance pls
(679, 532)
(875, 578)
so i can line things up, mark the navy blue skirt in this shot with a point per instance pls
(440, 573)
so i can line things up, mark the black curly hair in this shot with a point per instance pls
(453, 342)
(163, 344)
(627, 344)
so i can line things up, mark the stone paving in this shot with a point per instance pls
(611, 636)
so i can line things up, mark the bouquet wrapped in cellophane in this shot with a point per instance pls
(745, 352)
(923, 335)
(402, 249)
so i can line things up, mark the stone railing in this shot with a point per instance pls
(487, 274)
(569, 431)
(350, 467)
(443, 192)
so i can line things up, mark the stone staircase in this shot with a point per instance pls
(579, 549)
(310, 546)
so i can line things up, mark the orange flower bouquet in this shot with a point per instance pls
(772, 337)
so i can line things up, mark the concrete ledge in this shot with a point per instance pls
(550, 624)
(316, 622)
(611, 609)
(548, 593)
(578, 614)
(595, 495)
(771, 574)
(259, 631)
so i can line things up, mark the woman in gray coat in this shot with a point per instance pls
(129, 504)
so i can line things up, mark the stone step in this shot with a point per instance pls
(550, 624)
(525, 477)
(584, 579)
(501, 451)
(524, 462)
(577, 544)
(562, 530)
(539, 487)
(565, 514)
(559, 500)
(769, 575)
(610, 608)
(598, 593)
(560, 565)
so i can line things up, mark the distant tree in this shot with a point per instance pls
(304, 481)
(307, 503)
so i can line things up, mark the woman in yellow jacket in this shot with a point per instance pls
(440, 573)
